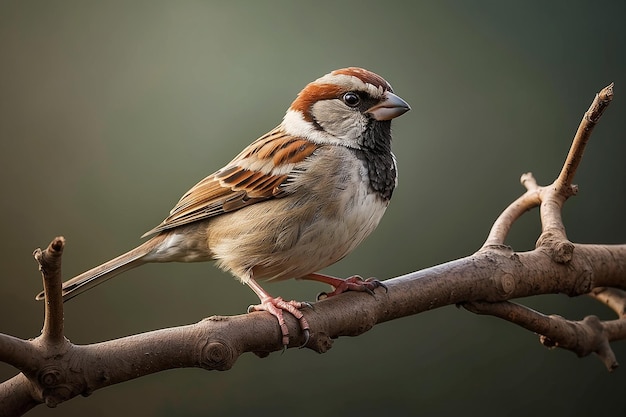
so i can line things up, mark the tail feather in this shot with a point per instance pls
(107, 270)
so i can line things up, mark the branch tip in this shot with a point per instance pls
(588, 122)
(528, 180)
(602, 100)
(57, 244)
(606, 94)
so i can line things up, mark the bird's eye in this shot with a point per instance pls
(351, 99)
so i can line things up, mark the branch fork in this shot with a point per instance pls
(590, 334)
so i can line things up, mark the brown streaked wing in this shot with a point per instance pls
(238, 185)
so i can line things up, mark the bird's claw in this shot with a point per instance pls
(276, 306)
(354, 283)
(307, 337)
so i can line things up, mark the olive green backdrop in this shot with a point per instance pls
(109, 111)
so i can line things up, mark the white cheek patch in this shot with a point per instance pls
(339, 121)
(343, 131)
(295, 125)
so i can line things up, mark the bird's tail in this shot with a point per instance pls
(107, 270)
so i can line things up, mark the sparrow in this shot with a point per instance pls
(296, 200)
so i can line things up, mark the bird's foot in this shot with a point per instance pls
(354, 283)
(275, 306)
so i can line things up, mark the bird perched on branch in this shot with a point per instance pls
(296, 200)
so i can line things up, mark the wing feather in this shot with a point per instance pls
(255, 175)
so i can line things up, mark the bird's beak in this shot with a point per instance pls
(391, 107)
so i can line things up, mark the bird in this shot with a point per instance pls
(296, 200)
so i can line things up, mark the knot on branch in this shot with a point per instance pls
(55, 390)
(320, 342)
(49, 376)
(505, 284)
(556, 246)
(217, 354)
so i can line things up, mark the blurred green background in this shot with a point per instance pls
(109, 111)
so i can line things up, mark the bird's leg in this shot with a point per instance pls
(275, 306)
(354, 283)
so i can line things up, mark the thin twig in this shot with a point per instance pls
(553, 235)
(50, 266)
(581, 337)
(614, 298)
(589, 121)
(504, 222)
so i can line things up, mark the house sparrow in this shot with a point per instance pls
(296, 200)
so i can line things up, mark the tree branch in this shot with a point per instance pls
(50, 266)
(501, 227)
(615, 299)
(55, 370)
(582, 337)
(589, 121)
